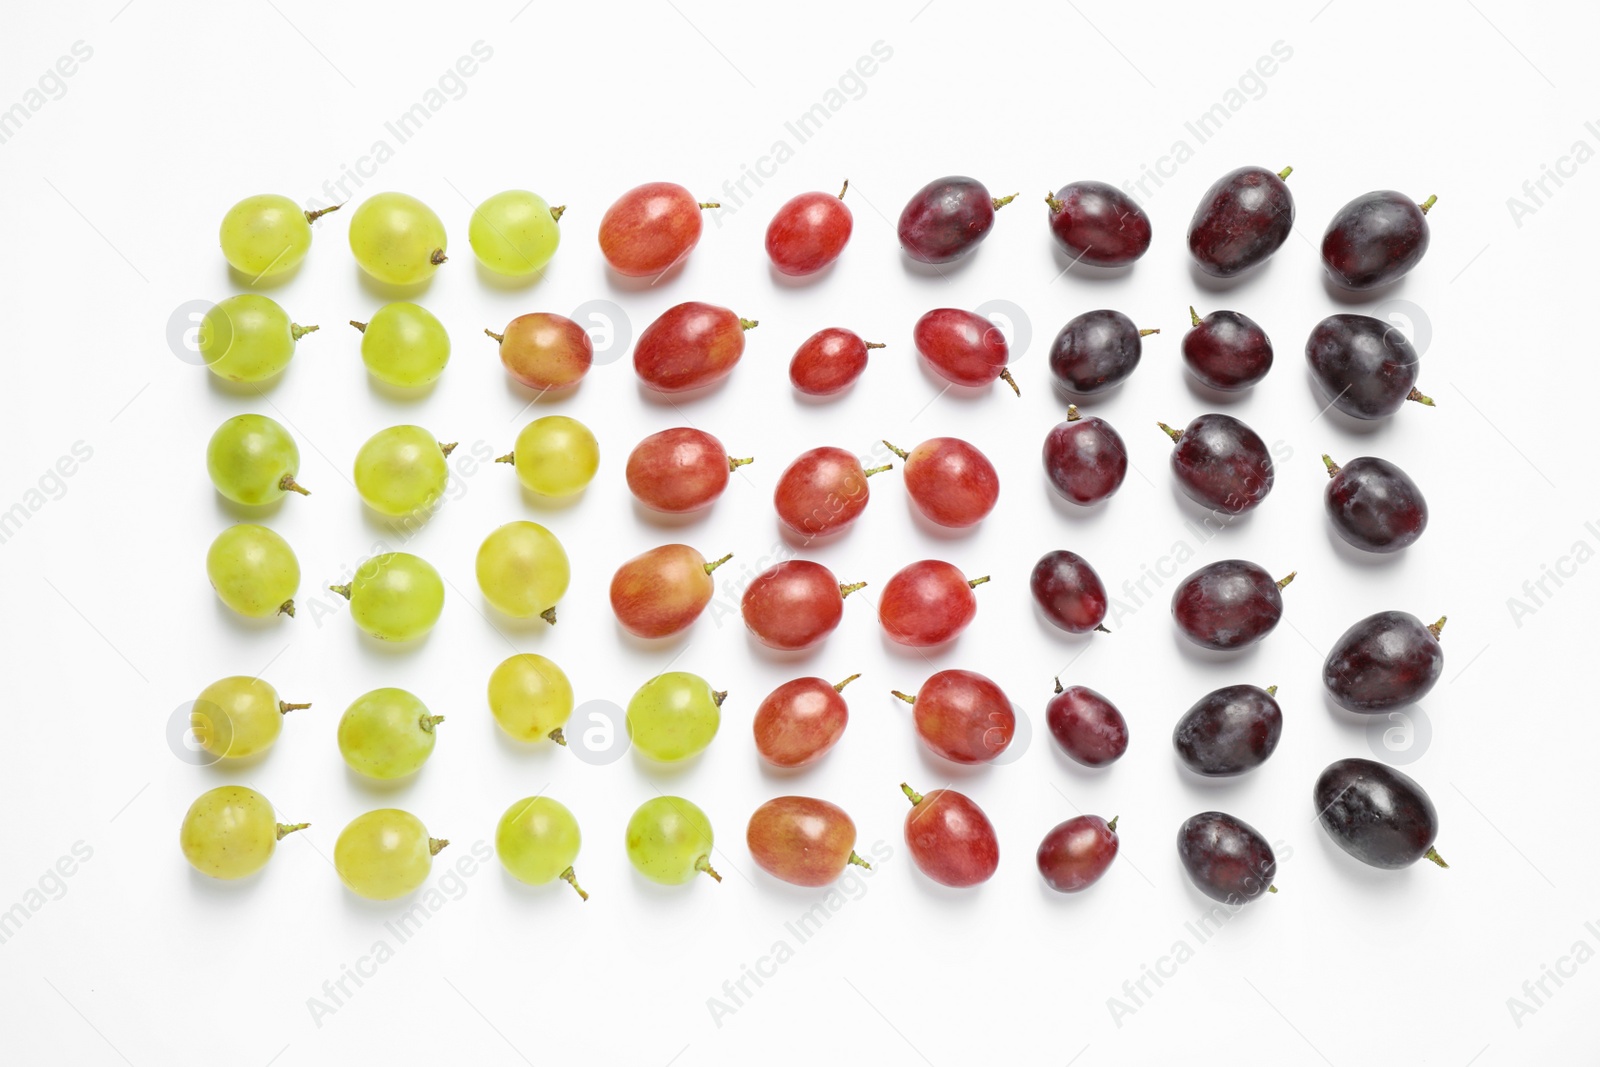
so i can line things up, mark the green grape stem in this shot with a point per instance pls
(1112, 825)
(284, 707)
(748, 324)
(1433, 854)
(870, 471)
(298, 331)
(548, 615)
(1272, 690)
(287, 828)
(1147, 333)
(840, 687)
(509, 457)
(556, 213)
(287, 608)
(1417, 395)
(911, 794)
(359, 325)
(342, 590)
(1272, 889)
(703, 864)
(571, 878)
(1283, 175)
(902, 696)
(289, 485)
(499, 337)
(735, 464)
(313, 216)
(1169, 431)
(858, 861)
(437, 257)
(1194, 320)
(709, 205)
(902, 453)
(557, 736)
(1426, 204)
(975, 582)
(1327, 461)
(428, 722)
(1001, 201)
(437, 845)
(1438, 627)
(1006, 377)
(1286, 579)
(846, 590)
(1054, 203)
(448, 448)
(714, 564)
(1072, 413)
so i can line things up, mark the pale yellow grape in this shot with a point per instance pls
(555, 456)
(523, 570)
(404, 345)
(397, 238)
(254, 571)
(674, 716)
(248, 338)
(394, 596)
(231, 832)
(669, 841)
(530, 697)
(537, 841)
(402, 471)
(267, 235)
(238, 716)
(515, 232)
(385, 854)
(387, 733)
(253, 460)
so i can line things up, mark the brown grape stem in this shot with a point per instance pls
(298, 331)
(840, 687)
(1272, 690)
(1147, 333)
(1286, 579)
(1426, 204)
(556, 213)
(287, 608)
(1433, 854)
(1001, 201)
(1194, 320)
(509, 457)
(703, 864)
(359, 325)
(902, 453)
(448, 448)
(437, 257)
(911, 794)
(870, 471)
(558, 736)
(874, 344)
(287, 828)
(1283, 175)
(437, 845)
(1169, 431)
(428, 722)
(846, 590)
(499, 337)
(548, 615)
(844, 188)
(1055, 205)
(1072, 413)
(1100, 627)
(975, 582)
(858, 861)
(902, 696)
(718, 696)
(313, 216)
(570, 877)
(1058, 685)
(1327, 461)
(709, 205)
(1005, 376)
(289, 485)
(342, 590)
(735, 464)
(1437, 627)
(749, 324)
(284, 707)
(714, 564)
(1418, 396)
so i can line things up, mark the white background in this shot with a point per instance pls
(113, 194)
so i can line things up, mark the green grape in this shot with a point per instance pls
(397, 238)
(402, 471)
(231, 832)
(530, 698)
(385, 854)
(387, 733)
(537, 840)
(523, 571)
(674, 716)
(248, 338)
(253, 460)
(395, 596)
(554, 456)
(267, 234)
(236, 717)
(254, 571)
(515, 232)
(404, 345)
(669, 841)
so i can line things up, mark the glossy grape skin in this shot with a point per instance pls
(545, 351)
(1241, 220)
(515, 232)
(663, 591)
(1375, 239)
(555, 456)
(1068, 591)
(1226, 351)
(523, 570)
(679, 470)
(1096, 351)
(1229, 731)
(387, 733)
(963, 716)
(1228, 604)
(266, 235)
(1085, 458)
(394, 596)
(231, 832)
(238, 717)
(254, 571)
(927, 603)
(802, 840)
(537, 840)
(385, 854)
(1364, 366)
(947, 218)
(650, 228)
(248, 338)
(822, 492)
(1222, 463)
(829, 362)
(674, 716)
(530, 698)
(1098, 224)
(950, 839)
(1226, 858)
(1374, 504)
(403, 345)
(800, 721)
(952, 483)
(669, 841)
(253, 460)
(963, 347)
(397, 239)
(794, 604)
(1086, 725)
(1377, 814)
(402, 471)
(1387, 660)
(1075, 854)
(809, 232)
(690, 346)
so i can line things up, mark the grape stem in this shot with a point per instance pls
(714, 564)
(718, 696)
(556, 213)
(287, 608)
(342, 590)
(428, 722)
(284, 707)
(447, 448)
(549, 615)
(1286, 579)
(1112, 825)
(1194, 320)
(1058, 684)
(1327, 461)
(870, 471)
(846, 590)
(1053, 203)
(1426, 204)
(509, 457)
(975, 582)
(1072, 413)
(858, 861)
(1100, 628)
(289, 485)
(845, 188)
(875, 344)
(902, 453)
(1272, 690)
(1417, 395)
(1147, 333)
(313, 216)
(911, 794)
(499, 337)
(902, 696)
(557, 736)
(748, 324)
(709, 205)
(287, 828)
(298, 331)
(1005, 376)
(1433, 854)
(703, 864)
(1437, 627)
(1169, 431)
(437, 845)
(735, 464)
(840, 687)
(571, 878)
(1283, 175)
(1001, 201)
(437, 257)
(1272, 889)
(359, 325)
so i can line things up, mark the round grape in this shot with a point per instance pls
(402, 471)
(530, 698)
(515, 232)
(554, 456)
(253, 460)
(523, 571)
(267, 235)
(394, 596)
(669, 841)
(254, 571)
(387, 733)
(397, 239)
(537, 840)
(385, 854)
(236, 717)
(231, 832)
(248, 338)
(404, 345)
(674, 716)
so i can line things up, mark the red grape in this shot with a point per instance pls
(661, 592)
(962, 716)
(679, 470)
(1086, 725)
(1226, 858)
(1085, 458)
(809, 232)
(822, 491)
(963, 347)
(1221, 462)
(1077, 852)
(947, 218)
(544, 351)
(794, 605)
(1242, 219)
(1226, 350)
(950, 838)
(1069, 592)
(1387, 660)
(650, 228)
(950, 481)
(802, 840)
(1098, 224)
(1376, 238)
(927, 603)
(690, 346)
(829, 362)
(1228, 604)
(800, 721)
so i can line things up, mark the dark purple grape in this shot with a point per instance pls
(1364, 366)
(1229, 731)
(1374, 504)
(1378, 815)
(1098, 224)
(1076, 853)
(1222, 463)
(1228, 604)
(1096, 351)
(1085, 458)
(1226, 350)
(1375, 238)
(1242, 219)
(1086, 725)
(1069, 592)
(948, 218)
(1226, 858)
(1387, 660)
